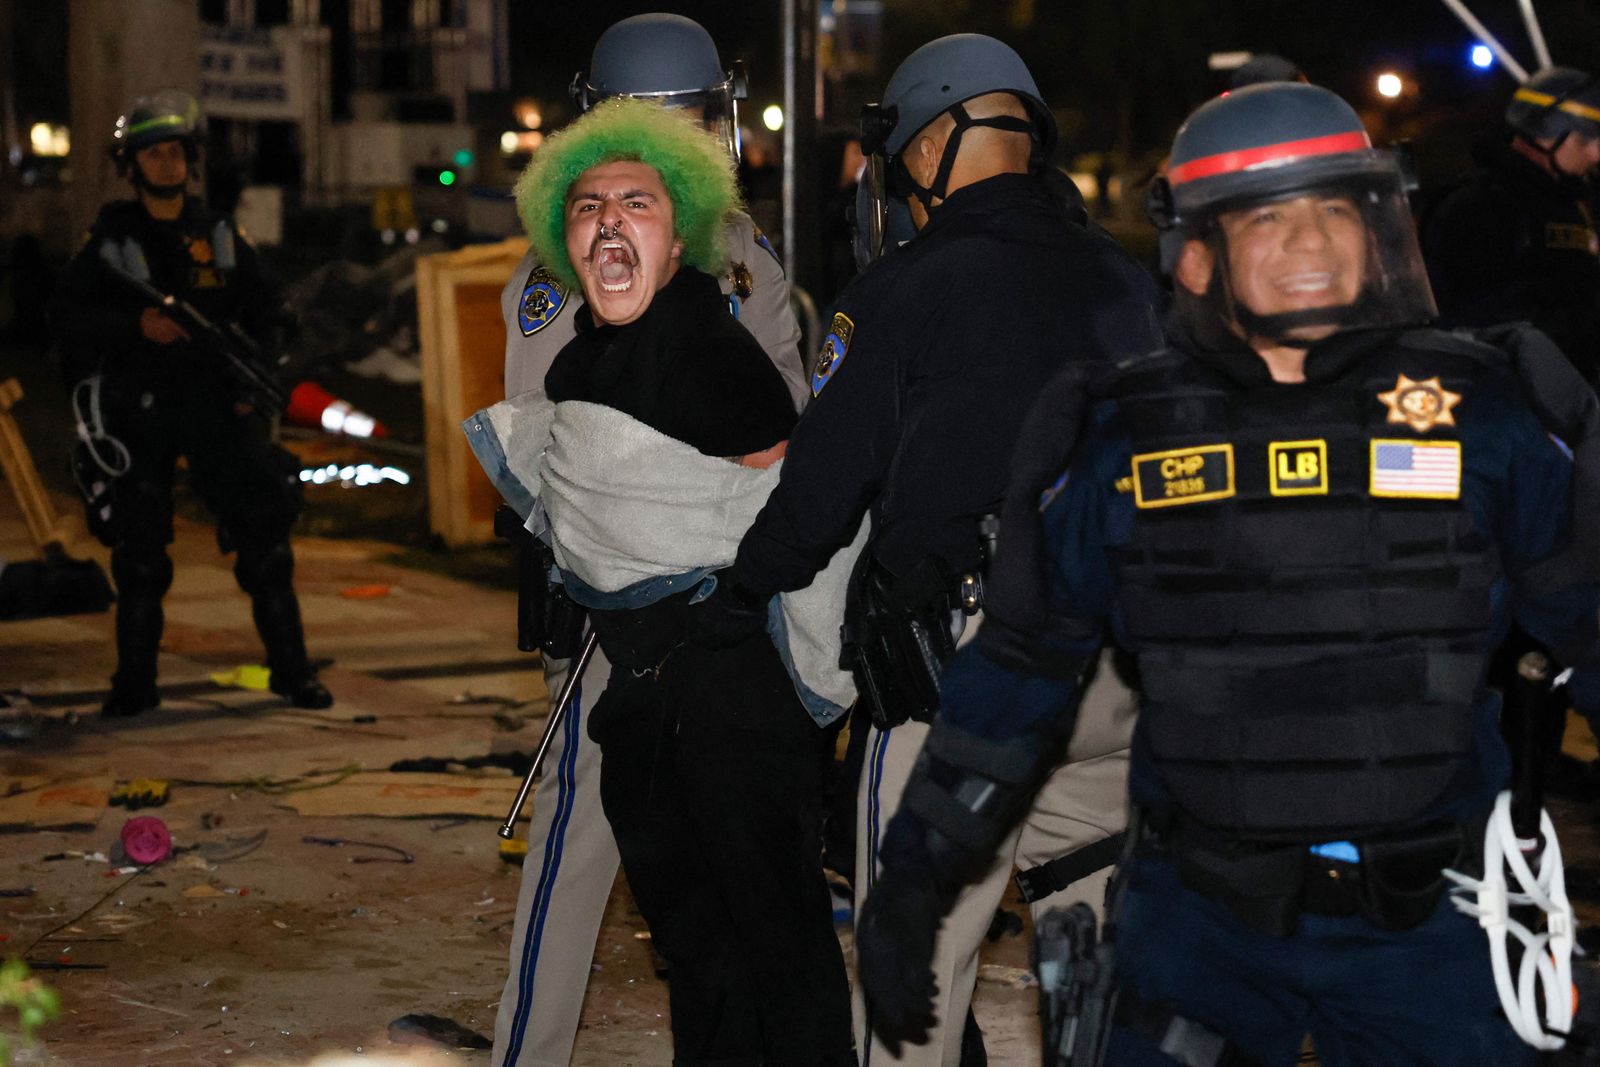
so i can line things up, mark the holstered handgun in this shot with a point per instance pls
(897, 638)
(548, 620)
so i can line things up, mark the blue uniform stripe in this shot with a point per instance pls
(534, 935)
(880, 745)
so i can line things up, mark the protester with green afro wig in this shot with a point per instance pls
(694, 168)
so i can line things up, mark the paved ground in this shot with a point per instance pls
(292, 953)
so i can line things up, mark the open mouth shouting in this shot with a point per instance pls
(616, 264)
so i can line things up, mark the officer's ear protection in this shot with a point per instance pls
(1158, 203)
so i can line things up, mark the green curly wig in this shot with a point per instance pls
(697, 173)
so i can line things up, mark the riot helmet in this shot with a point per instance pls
(167, 115)
(669, 59)
(1304, 226)
(935, 80)
(1265, 67)
(1552, 106)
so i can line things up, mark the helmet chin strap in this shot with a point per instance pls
(939, 188)
(1277, 327)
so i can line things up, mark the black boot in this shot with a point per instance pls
(133, 686)
(277, 616)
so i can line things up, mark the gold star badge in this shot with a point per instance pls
(1421, 405)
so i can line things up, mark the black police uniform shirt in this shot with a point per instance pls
(685, 368)
(1511, 242)
(1407, 436)
(933, 356)
(95, 317)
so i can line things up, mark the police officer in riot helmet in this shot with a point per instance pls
(932, 357)
(1515, 238)
(1311, 519)
(163, 396)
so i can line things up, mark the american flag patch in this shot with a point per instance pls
(1430, 470)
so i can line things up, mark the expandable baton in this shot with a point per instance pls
(1528, 703)
(243, 356)
(508, 829)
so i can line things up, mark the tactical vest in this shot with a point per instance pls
(1306, 593)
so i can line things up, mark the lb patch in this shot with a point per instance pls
(835, 347)
(1298, 468)
(1421, 470)
(1421, 405)
(1183, 476)
(543, 297)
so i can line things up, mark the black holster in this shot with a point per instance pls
(1077, 987)
(548, 620)
(897, 638)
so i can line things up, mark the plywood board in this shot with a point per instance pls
(408, 795)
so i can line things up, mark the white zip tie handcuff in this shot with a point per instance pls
(1545, 971)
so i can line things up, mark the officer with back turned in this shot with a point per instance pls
(932, 357)
(1311, 519)
(1515, 239)
(163, 394)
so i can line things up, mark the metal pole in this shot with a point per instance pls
(790, 76)
(508, 829)
(799, 140)
(1478, 30)
(1541, 51)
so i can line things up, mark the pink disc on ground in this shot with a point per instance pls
(146, 839)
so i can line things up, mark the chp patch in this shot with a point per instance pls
(834, 348)
(1298, 468)
(543, 297)
(1183, 476)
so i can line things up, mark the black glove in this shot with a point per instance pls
(731, 614)
(894, 957)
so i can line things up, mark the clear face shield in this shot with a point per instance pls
(1336, 251)
(717, 105)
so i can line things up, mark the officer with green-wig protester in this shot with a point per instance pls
(663, 416)
(572, 858)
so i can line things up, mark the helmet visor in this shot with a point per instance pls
(718, 106)
(1301, 263)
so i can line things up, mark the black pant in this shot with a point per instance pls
(711, 779)
(248, 484)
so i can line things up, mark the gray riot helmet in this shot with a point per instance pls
(1239, 160)
(672, 60)
(1554, 104)
(167, 115)
(935, 80)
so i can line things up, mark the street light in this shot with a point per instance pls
(772, 117)
(1482, 56)
(1389, 85)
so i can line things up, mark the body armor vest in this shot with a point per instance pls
(1307, 595)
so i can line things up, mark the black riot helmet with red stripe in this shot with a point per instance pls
(1295, 156)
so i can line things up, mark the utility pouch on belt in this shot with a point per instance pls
(1077, 979)
(547, 619)
(897, 638)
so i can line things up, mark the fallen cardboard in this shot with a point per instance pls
(409, 795)
(39, 803)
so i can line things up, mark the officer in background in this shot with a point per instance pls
(933, 356)
(1516, 238)
(163, 397)
(572, 856)
(1311, 520)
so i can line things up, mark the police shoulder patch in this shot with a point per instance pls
(1298, 468)
(543, 297)
(1183, 476)
(834, 348)
(762, 242)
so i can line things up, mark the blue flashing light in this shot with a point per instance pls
(1482, 57)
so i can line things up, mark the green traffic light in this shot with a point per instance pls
(447, 177)
(463, 157)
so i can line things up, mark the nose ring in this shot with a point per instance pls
(616, 229)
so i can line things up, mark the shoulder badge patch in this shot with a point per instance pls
(1183, 476)
(1298, 468)
(762, 242)
(739, 277)
(834, 348)
(543, 297)
(1421, 405)
(1421, 470)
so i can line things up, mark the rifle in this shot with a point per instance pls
(244, 360)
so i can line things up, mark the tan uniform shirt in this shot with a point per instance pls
(538, 312)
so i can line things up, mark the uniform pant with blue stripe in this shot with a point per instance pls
(1084, 801)
(567, 878)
